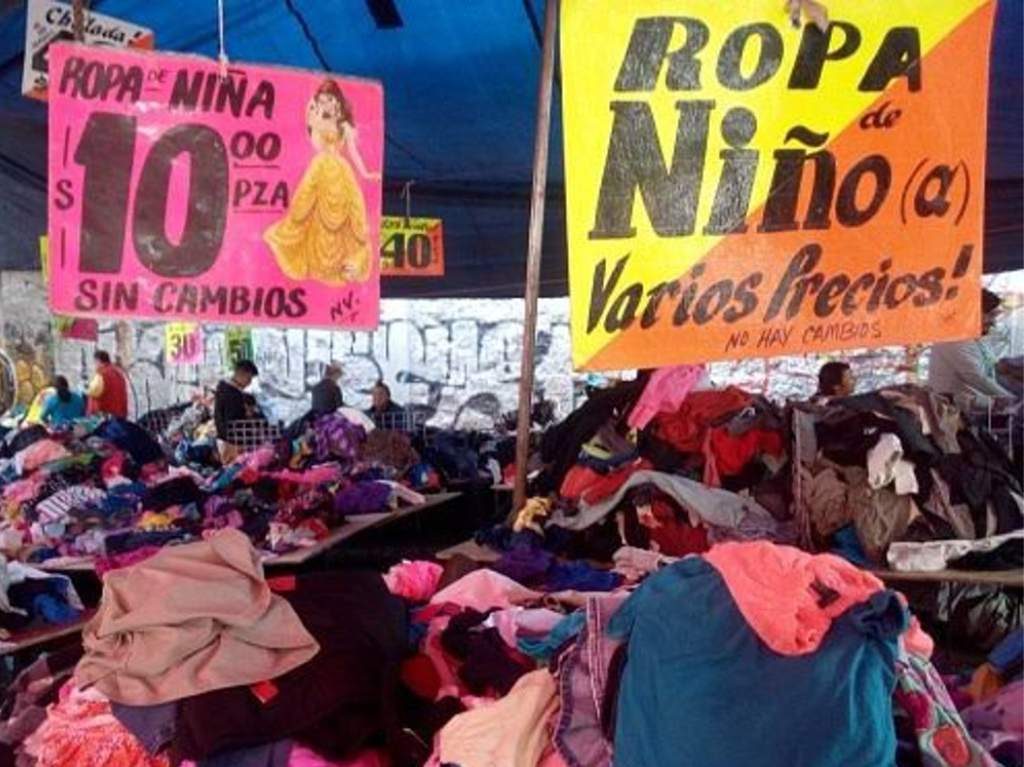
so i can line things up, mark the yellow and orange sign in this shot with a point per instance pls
(737, 187)
(411, 247)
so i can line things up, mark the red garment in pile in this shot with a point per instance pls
(727, 455)
(686, 429)
(582, 483)
(674, 538)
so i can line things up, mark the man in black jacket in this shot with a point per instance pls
(231, 403)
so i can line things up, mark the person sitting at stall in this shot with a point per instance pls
(966, 370)
(63, 406)
(327, 396)
(231, 403)
(384, 412)
(108, 389)
(835, 379)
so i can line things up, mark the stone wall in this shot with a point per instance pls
(457, 358)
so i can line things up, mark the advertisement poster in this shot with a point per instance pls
(183, 343)
(411, 247)
(737, 187)
(49, 21)
(176, 194)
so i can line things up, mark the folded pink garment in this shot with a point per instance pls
(484, 590)
(778, 588)
(415, 581)
(191, 619)
(664, 393)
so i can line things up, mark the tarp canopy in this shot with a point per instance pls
(460, 83)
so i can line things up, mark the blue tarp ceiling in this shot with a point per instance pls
(460, 83)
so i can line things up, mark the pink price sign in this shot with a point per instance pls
(179, 194)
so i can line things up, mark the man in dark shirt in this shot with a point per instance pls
(231, 403)
(327, 394)
(385, 413)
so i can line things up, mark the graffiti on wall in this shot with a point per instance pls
(26, 339)
(455, 361)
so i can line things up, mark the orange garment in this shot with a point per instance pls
(985, 683)
(583, 484)
(80, 731)
(778, 591)
(324, 234)
(188, 620)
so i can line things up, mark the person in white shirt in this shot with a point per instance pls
(967, 369)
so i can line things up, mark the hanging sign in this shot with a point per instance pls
(737, 187)
(411, 247)
(237, 346)
(179, 194)
(183, 343)
(49, 21)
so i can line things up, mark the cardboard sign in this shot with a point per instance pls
(411, 247)
(737, 187)
(183, 343)
(49, 21)
(237, 346)
(176, 194)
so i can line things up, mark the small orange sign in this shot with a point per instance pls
(411, 247)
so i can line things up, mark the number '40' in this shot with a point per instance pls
(107, 152)
(416, 249)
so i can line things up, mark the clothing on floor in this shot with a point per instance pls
(223, 628)
(511, 732)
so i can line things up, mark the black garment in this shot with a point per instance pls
(231, 404)
(131, 438)
(18, 440)
(560, 445)
(1006, 556)
(326, 397)
(487, 665)
(392, 416)
(334, 703)
(179, 491)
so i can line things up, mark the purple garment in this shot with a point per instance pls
(525, 564)
(582, 681)
(1000, 720)
(362, 498)
(337, 438)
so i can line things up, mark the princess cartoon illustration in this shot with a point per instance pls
(323, 236)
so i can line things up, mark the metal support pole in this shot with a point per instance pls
(533, 251)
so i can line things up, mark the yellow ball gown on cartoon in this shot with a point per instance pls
(324, 236)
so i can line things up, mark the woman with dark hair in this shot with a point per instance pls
(324, 236)
(64, 405)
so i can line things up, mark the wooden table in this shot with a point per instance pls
(29, 639)
(471, 550)
(975, 577)
(355, 525)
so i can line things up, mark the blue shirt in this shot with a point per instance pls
(700, 687)
(59, 413)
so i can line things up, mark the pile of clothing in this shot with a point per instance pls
(657, 463)
(991, 700)
(234, 670)
(106, 490)
(830, 668)
(31, 598)
(897, 477)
